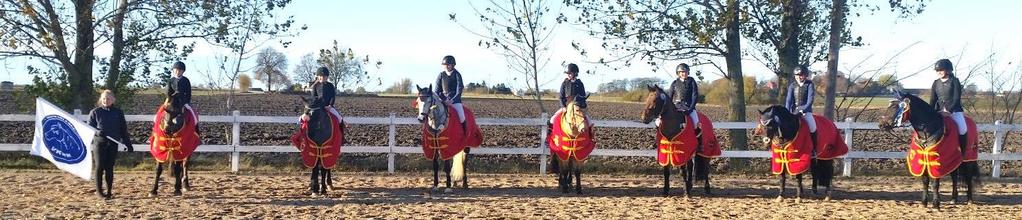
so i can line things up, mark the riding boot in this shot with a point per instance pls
(963, 142)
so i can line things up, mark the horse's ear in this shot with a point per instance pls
(761, 111)
(651, 88)
(417, 87)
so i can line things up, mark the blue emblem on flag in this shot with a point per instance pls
(62, 140)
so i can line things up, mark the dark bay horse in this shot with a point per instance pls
(319, 140)
(794, 150)
(679, 142)
(173, 140)
(935, 150)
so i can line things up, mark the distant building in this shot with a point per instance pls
(6, 86)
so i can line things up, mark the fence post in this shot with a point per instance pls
(543, 150)
(235, 141)
(392, 135)
(847, 171)
(998, 143)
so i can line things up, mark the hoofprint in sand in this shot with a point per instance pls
(50, 194)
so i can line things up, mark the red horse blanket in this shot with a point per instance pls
(565, 146)
(795, 156)
(329, 152)
(677, 150)
(941, 158)
(452, 138)
(176, 147)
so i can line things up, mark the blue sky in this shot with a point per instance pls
(410, 37)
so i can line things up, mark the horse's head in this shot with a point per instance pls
(429, 108)
(897, 113)
(320, 125)
(575, 118)
(770, 120)
(174, 119)
(655, 103)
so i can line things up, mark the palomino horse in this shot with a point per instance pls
(173, 140)
(571, 140)
(935, 150)
(445, 138)
(319, 139)
(793, 150)
(679, 142)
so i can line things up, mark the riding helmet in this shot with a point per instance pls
(572, 69)
(801, 70)
(943, 64)
(448, 60)
(323, 71)
(179, 65)
(681, 67)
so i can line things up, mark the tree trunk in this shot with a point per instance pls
(788, 52)
(733, 58)
(81, 77)
(837, 23)
(114, 73)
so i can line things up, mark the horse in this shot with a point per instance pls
(319, 139)
(173, 140)
(935, 150)
(792, 146)
(571, 140)
(679, 142)
(444, 138)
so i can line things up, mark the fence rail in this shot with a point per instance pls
(235, 148)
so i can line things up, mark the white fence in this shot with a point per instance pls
(235, 148)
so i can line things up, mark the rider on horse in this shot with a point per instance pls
(947, 97)
(179, 89)
(800, 99)
(573, 88)
(685, 93)
(323, 93)
(449, 87)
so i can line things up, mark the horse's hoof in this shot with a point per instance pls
(826, 198)
(779, 199)
(177, 193)
(798, 200)
(152, 194)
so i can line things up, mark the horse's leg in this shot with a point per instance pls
(955, 175)
(578, 176)
(178, 171)
(926, 190)
(314, 180)
(705, 169)
(464, 173)
(436, 172)
(936, 193)
(329, 180)
(324, 175)
(156, 184)
(798, 192)
(667, 180)
(686, 174)
(567, 169)
(563, 178)
(185, 179)
(447, 170)
(972, 173)
(814, 170)
(780, 195)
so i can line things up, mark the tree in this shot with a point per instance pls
(244, 83)
(139, 33)
(305, 71)
(404, 86)
(673, 30)
(346, 69)
(270, 68)
(519, 31)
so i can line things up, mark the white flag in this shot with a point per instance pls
(63, 139)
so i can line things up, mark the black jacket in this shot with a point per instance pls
(574, 89)
(179, 91)
(323, 95)
(449, 87)
(110, 122)
(800, 98)
(684, 93)
(947, 95)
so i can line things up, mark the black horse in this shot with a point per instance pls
(909, 110)
(778, 124)
(320, 129)
(173, 122)
(671, 123)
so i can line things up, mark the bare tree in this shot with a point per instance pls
(305, 70)
(519, 31)
(271, 66)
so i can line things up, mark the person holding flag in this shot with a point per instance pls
(113, 130)
(60, 138)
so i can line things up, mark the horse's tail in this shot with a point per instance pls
(823, 172)
(458, 166)
(702, 167)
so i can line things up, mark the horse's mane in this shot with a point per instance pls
(919, 106)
